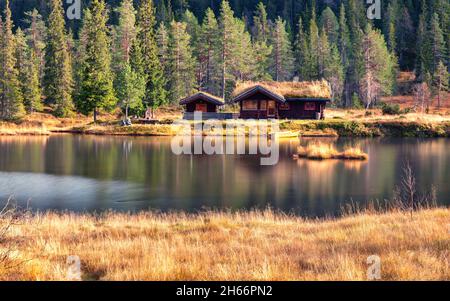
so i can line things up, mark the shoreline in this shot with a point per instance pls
(254, 245)
(326, 128)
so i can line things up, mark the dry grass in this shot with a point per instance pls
(11, 129)
(322, 151)
(314, 89)
(225, 246)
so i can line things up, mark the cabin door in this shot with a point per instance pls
(201, 108)
(271, 109)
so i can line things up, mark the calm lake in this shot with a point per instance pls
(90, 173)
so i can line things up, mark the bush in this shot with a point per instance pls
(357, 103)
(391, 109)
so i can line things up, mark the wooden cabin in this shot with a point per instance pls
(202, 102)
(282, 100)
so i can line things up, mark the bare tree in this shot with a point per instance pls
(10, 216)
(422, 96)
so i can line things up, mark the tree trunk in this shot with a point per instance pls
(126, 111)
(95, 115)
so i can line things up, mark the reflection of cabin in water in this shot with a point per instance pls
(282, 100)
(264, 100)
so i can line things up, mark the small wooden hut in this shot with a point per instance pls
(202, 102)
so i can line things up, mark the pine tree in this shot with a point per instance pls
(181, 62)
(28, 73)
(162, 40)
(11, 97)
(155, 78)
(96, 80)
(125, 33)
(302, 52)
(58, 80)
(242, 67)
(379, 67)
(209, 54)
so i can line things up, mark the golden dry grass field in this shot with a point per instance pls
(229, 246)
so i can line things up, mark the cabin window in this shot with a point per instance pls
(250, 105)
(263, 105)
(285, 107)
(310, 106)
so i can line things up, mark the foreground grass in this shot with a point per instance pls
(225, 246)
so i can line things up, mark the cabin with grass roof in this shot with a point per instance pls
(202, 102)
(282, 100)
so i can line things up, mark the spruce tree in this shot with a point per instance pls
(330, 24)
(36, 37)
(28, 73)
(323, 53)
(437, 43)
(130, 89)
(193, 29)
(440, 81)
(155, 80)
(11, 97)
(181, 61)
(313, 60)
(162, 41)
(302, 52)
(58, 80)
(124, 33)
(423, 54)
(227, 40)
(96, 79)
(262, 49)
(282, 60)
(210, 54)
(334, 73)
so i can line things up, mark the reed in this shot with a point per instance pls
(322, 151)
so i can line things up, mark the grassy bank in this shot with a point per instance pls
(352, 123)
(347, 128)
(225, 246)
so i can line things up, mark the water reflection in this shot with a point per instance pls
(86, 173)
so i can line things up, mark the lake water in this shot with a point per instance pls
(90, 173)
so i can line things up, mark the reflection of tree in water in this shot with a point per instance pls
(127, 146)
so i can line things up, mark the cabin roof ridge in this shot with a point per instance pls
(205, 95)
